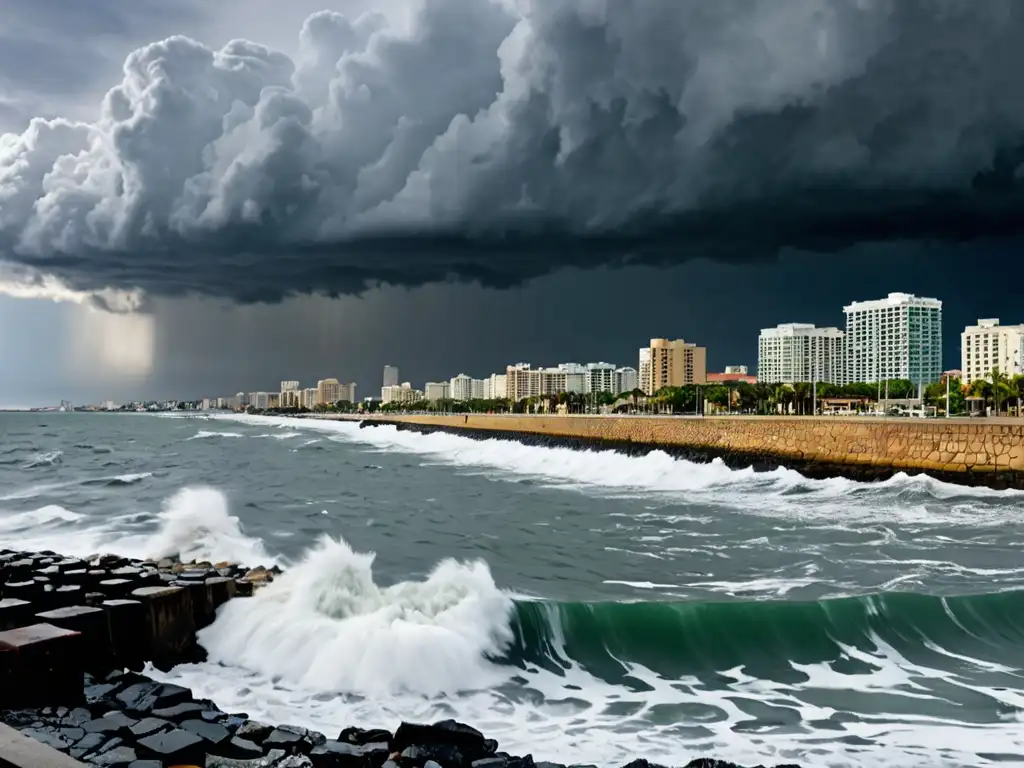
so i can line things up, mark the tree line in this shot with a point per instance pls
(1000, 392)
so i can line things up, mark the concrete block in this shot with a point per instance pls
(14, 613)
(170, 624)
(93, 625)
(219, 590)
(41, 665)
(203, 611)
(129, 632)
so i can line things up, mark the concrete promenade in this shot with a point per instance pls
(970, 451)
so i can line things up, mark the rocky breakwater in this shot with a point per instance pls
(75, 633)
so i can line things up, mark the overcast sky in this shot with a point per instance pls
(664, 172)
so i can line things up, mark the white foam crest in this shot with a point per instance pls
(47, 459)
(196, 524)
(40, 529)
(326, 625)
(781, 493)
(203, 434)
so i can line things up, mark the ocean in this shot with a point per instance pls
(583, 607)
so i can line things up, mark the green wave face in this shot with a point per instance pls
(766, 639)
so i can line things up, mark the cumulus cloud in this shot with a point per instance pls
(495, 140)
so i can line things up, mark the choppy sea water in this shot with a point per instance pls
(585, 607)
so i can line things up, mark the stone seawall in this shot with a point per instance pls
(989, 453)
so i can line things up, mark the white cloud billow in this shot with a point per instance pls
(485, 114)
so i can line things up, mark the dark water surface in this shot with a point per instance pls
(588, 607)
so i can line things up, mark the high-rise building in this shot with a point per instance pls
(600, 378)
(390, 375)
(898, 337)
(522, 381)
(625, 380)
(644, 369)
(328, 391)
(308, 398)
(794, 352)
(497, 387)
(437, 390)
(989, 345)
(672, 364)
(289, 397)
(347, 392)
(461, 388)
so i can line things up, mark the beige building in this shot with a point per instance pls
(403, 393)
(989, 345)
(672, 364)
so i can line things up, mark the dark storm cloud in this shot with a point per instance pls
(496, 141)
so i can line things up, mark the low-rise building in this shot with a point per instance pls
(403, 393)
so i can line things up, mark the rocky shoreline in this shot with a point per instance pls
(75, 635)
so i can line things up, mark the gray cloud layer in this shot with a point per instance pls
(495, 140)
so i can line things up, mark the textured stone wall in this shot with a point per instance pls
(976, 452)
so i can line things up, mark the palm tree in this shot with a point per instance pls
(802, 393)
(1001, 389)
(1017, 383)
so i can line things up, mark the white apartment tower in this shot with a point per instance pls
(989, 345)
(898, 337)
(390, 375)
(794, 352)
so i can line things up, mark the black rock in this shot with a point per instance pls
(120, 757)
(469, 742)
(72, 734)
(113, 723)
(314, 737)
(240, 749)
(179, 712)
(77, 717)
(211, 733)
(490, 762)
(338, 754)
(253, 731)
(521, 762)
(146, 764)
(151, 725)
(89, 744)
(294, 761)
(149, 697)
(177, 747)
(376, 753)
(94, 694)
(361, 736)
(287, 740)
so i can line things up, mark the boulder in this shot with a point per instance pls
(119, 757)
(147, 698)
(287, 740)
(150, 725)
(338, 754)
(111, 724)
(185, 711)
(253, 731)
(176, 747)
(214, 735)
(365, 736)
(438, 740)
